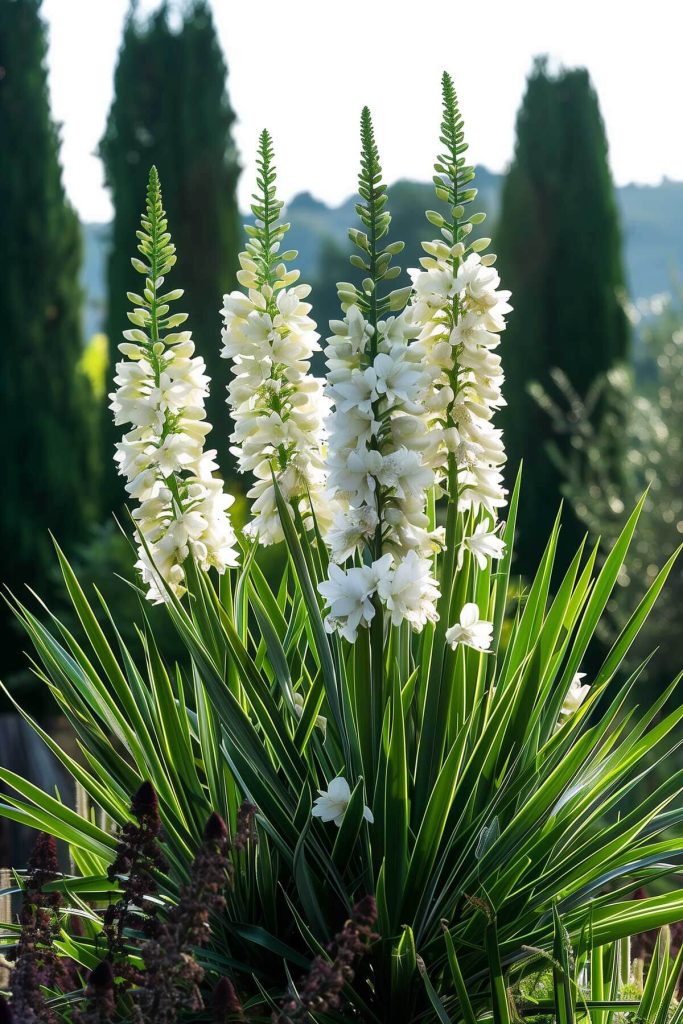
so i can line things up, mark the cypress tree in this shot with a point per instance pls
(171, 109)
(559, 246)
(46, 407)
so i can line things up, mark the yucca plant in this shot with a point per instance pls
(416, 785)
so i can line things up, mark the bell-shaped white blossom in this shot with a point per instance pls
(575, 696)
(332, 802)
(484, 544)
(277, 406)
(471, 631)
(349, 595)
(161, 386)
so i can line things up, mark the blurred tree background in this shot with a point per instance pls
(594, 416)
(648, 418)
(560, 253)
(48, 414)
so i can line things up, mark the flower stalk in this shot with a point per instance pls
(276, 404)
(379, 469)
(161, 388)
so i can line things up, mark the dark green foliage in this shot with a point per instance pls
(648, 414)
(171, 109)
(46, 408)
(559, 247)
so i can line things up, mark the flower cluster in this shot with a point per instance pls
(276, 405)
(160, 389)
(410, 392)
(321, 989)
(100, 996)
(461, 311)
(172, 975)
(379, 449)
(36, 963)
(138, 858)
(380, 460)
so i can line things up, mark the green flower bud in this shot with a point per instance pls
(435, 218)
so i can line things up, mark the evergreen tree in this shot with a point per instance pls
(559, 247)
(171, 109)
(46, 407)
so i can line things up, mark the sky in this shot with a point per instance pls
(307, 77)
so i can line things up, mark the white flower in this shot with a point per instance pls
(332, 803)
(354, 472)
(349, 596)
(575, 696)
(471, 630)
(349, 529)
(353, 329)
(410, 592)
(484, 543)
(395, 376)
(276, 405)
(404, 473)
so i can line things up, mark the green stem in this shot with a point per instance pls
(377, 629)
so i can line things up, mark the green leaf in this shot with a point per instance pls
(436, 1002)
(396, 811)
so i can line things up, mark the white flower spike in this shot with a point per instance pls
(379, 444)
(277, 406)
(161, 387)
(460, 311)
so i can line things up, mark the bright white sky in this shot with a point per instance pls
(319, 76)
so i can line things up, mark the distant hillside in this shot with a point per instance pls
(314, 224)
(652, 224)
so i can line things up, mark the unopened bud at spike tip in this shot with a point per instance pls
(215, 829)
(145, 800)
(225, 1003)
(101, 978)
